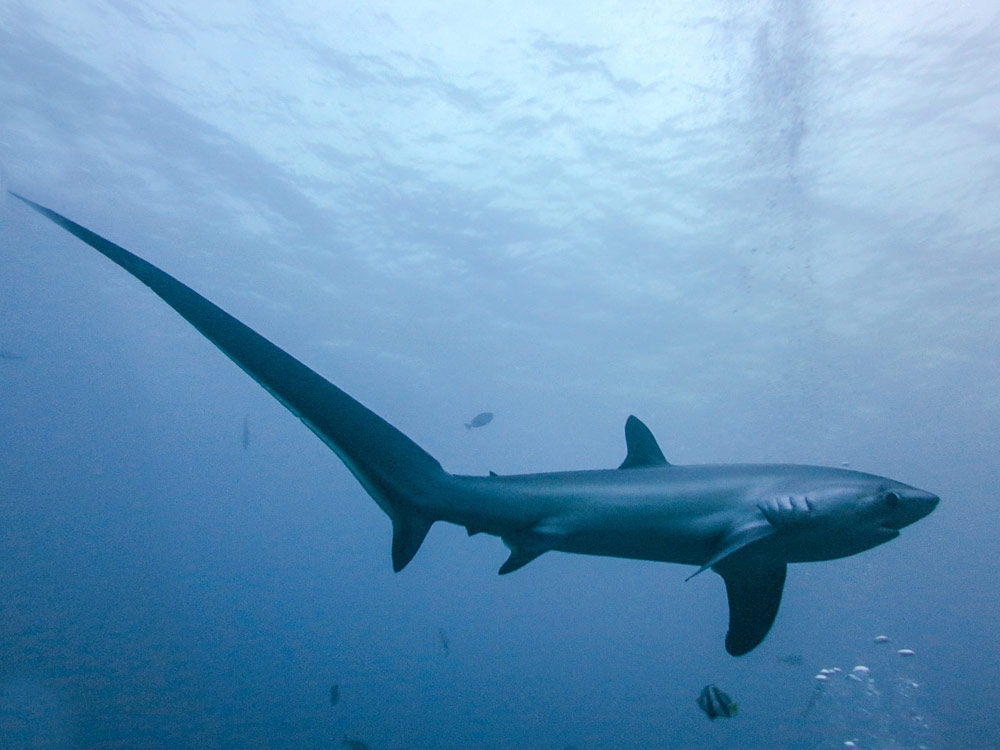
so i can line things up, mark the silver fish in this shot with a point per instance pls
(445, 643)
(479, 420)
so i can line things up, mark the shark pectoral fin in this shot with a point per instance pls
(643, 450)
(754, 590)
(408, 532)
(734, 542)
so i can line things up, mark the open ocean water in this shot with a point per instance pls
(769, 229)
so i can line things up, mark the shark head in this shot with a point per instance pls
(838, 513)
(844, 515)
(877, 507)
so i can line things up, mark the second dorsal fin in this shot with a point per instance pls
(643, 451)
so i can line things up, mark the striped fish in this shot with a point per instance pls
(715, 703)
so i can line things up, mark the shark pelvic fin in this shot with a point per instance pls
(643, 450)
(754, 590)
(520, 555)
(408, 533)
(522, 552)
(733, 542)
(527, 544)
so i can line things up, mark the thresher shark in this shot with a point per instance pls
(746, 522)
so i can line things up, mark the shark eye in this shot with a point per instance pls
(892, 499)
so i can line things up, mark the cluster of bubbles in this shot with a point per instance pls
(866, 708)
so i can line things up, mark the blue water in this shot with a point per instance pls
(768, 229)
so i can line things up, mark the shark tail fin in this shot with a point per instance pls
(399, 475)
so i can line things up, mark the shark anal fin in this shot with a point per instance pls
(754, 589)
(408, 533)
(643, 451)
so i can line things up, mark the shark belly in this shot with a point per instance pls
(821, 545)
(637, 516)
(626, 543)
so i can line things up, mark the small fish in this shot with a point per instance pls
(246, 432)
(334, 695)
(881, 639)
(821, 679)
(793, 660)
(4, 354)
(812, 700)
(445, 643)
(479, 420)
(354, 744)
(715, 703)
(906, 652)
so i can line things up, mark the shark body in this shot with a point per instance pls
(745, 522)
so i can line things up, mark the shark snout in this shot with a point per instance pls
(923, 501)
(911, 505)
(927, 502)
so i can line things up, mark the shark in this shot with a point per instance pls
(744, 522)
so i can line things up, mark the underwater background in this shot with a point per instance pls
(769, 229)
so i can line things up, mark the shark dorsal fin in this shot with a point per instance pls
(643, 451)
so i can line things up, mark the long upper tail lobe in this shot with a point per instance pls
(393, 469)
